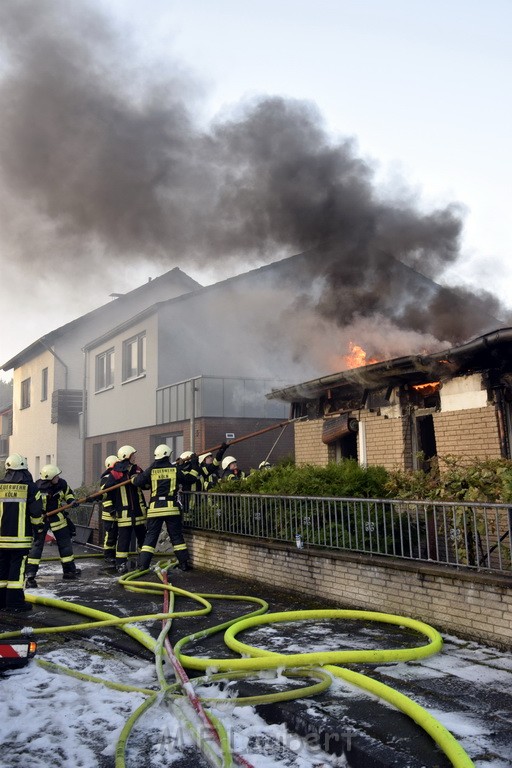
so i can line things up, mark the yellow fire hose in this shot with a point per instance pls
(318, 665)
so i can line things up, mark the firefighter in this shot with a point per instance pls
(230, 469)
(164, 480)
(21, 518)
(187, 501)
(110, 528)
(209, 467)
(55, 492)
(126, 504)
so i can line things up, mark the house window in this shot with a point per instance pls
(97, 460)
(6, 421)
(25, 393)
(174, 441)
(134, 357)
(44, 384)
(111, 448)
(104, 370)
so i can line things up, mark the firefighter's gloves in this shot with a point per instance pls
(88, 499)
(75, 504)
(221, 451)
(38, 532)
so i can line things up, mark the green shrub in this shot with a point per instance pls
(450, 479)
(344, 479)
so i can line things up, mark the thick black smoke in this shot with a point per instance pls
(107, 154)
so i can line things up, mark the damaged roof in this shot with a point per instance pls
(492, 351)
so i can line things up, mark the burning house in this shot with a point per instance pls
(176, 362)
(103, 171)
(399, 413)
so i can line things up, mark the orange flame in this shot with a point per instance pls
(357, 357)
(427, 389)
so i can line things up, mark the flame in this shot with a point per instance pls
(357, 357)
(427, 389)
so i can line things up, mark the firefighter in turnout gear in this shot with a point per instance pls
(21, 518)
(187, 501)
(126, 504)
(110, 527)
(209, 467)
(230, 469)
(55, 492)
(164, 479)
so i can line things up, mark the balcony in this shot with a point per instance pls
(66, 405)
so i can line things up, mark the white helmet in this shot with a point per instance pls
(16, 461)
(185, 456)
(227, 461)
(264, 465)
(110, 461)
(203, 456)
(162, 451)
(125, 452)
(49, 471)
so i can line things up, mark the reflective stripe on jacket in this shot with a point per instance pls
(20, 512)
(127, 504)
(53, 496)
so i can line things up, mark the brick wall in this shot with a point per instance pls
(249, 453)
(386, 441)
(472, 605)
(467, 433)
(309, 448)
(470, 433)
(139, 438)
(208, 433)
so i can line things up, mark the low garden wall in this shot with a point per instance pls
(466, 603)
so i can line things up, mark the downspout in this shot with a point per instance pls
(84, 414)
(193, 414)
(61, 361)
(499, 406)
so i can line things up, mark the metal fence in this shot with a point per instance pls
(465, 535)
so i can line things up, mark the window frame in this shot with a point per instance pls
(25, 393)
(104, 370)
(130, 372)
(44, 384)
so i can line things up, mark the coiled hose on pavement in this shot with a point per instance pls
(317, 665)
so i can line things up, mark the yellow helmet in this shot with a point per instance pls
(110, 461)
(49, 471)
(264, 465)
(203, 456)
(16, 461)
(162, 451)
(227, 461)
(185, 456)
(125, 452)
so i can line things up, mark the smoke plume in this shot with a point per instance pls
(103, 160)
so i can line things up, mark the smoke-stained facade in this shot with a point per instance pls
(406, 412)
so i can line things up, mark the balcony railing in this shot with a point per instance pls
(66, 405)
(463, 535)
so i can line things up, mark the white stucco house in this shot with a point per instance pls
(48, 378)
